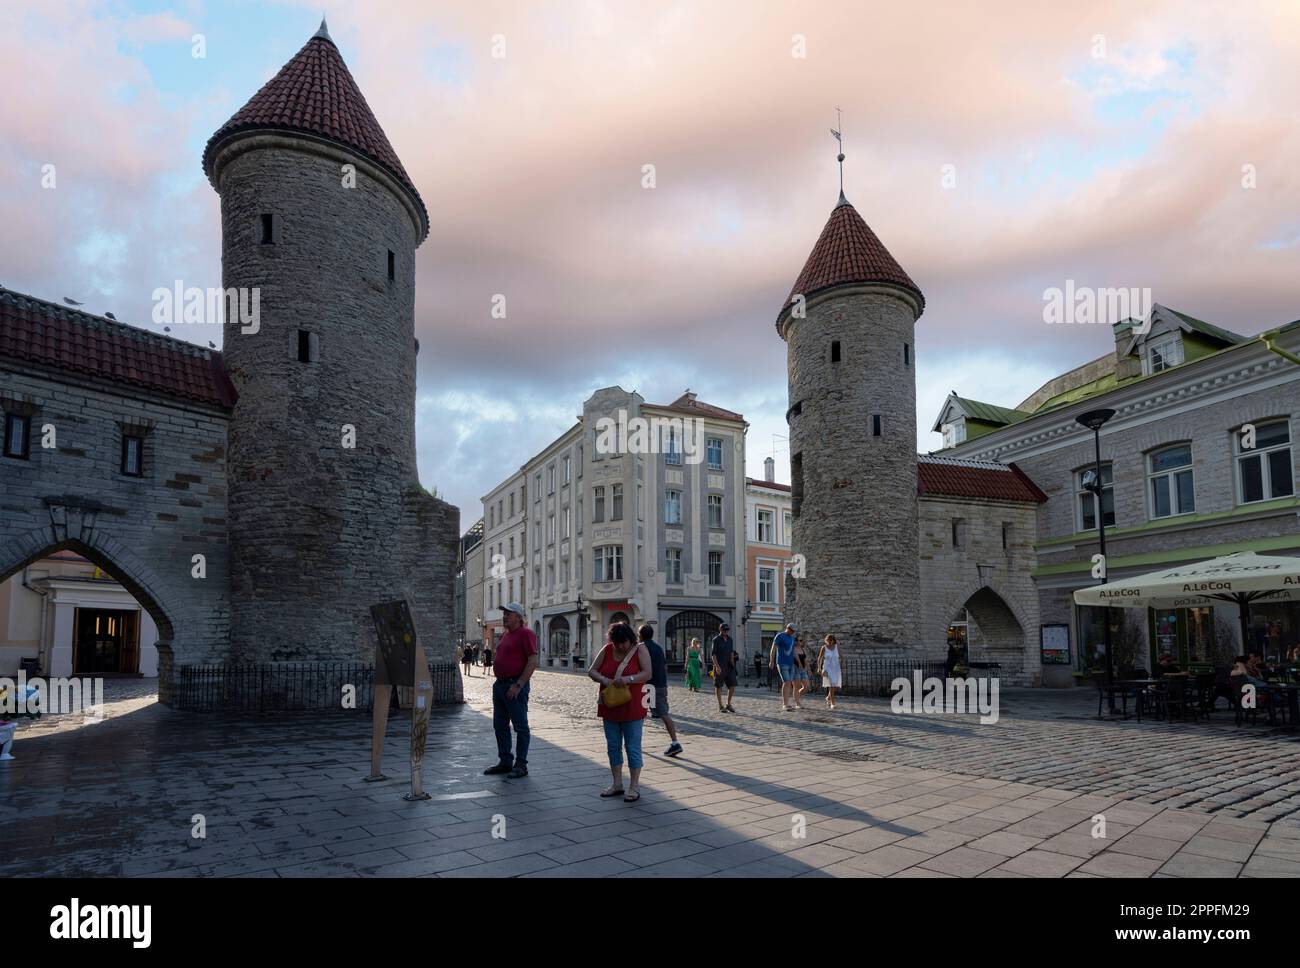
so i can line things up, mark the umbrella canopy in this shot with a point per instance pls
(1241, 578)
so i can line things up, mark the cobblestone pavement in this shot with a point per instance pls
(872, 793)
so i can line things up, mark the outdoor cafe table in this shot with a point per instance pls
(1138, 685)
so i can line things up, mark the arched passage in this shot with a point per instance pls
(115, 560)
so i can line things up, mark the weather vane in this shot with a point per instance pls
(840, 138)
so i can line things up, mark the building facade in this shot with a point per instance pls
(620, 527)
(769, 527)
(505, 552)
(257, 501)
(1199, 460)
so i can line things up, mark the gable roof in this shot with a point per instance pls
(982, 479)
(687, 404)
(36, 331)
(977, 410)
(1182, 321)
(314, 94)
(848, 252)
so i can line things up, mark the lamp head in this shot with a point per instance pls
(1095, 419)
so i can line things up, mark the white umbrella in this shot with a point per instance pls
(1241, 578)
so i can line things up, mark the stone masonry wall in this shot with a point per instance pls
(144, 531)
(855, 494)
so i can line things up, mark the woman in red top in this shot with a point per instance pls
(623, 662)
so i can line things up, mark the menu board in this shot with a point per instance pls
(395, 654)
(1055, 644)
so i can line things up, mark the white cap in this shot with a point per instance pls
(516, 608)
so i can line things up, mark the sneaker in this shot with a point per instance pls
(517, 772)
(499, 768)
(730, 708)
(673, 750)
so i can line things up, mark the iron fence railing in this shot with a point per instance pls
(872, 675)
(290, 686)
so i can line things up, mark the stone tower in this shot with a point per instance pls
(848, 327)
(326, 514)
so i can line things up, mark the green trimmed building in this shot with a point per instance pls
(1198, 461)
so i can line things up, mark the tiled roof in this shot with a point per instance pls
(35, 331)
(315, 94)
(769, 484)
(687, 404)
(846, 252)
(953, 477)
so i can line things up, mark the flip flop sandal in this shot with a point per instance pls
(611, 793)
(632, 797)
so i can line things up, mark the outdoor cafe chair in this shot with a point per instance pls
(1181, 697)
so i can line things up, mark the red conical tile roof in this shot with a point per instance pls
(847, 252)
(315, 94)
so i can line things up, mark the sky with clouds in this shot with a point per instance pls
(997, 149)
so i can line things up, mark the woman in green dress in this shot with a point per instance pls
(693, 664)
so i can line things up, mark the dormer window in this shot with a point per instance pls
(1163, 355)
(954, 433)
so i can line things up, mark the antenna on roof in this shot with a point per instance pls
(839, 137)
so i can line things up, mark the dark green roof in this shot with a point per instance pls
(990, 412)
(1209, 329)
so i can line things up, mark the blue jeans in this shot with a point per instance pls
(616, 734)
(507, 713)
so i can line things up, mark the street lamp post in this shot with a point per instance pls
(1094, 420)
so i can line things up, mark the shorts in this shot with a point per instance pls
(787, 671)
(727, 678)
(800, 673)
(660, 709)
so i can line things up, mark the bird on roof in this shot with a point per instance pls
(71, 302)
(167, 329)
(212, 344)
(108, 315)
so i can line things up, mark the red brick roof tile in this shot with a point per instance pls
(951, 477)
(35, 331)
(847, 252)
(315, 94)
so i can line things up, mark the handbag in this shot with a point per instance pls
(612, 695)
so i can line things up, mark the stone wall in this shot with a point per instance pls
(143, 530)
(854, 494)
(1001, 597)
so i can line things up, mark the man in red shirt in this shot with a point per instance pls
(515, 662)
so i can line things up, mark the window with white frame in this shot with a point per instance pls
(767, 586)
(537, 487)
(616, 502)
(715, 510)
(673, 452)
(598, 505)
(673, 565)
(1087, 501)
(764, 525)
(609, 563)
(715, 567)
(550, 528)
(550, 479)
(714, 450)
(672, 507)
(1172, 487)
(1163, 355)
(787, 526)
(567, 522)
(1265, 471)
(568, 468)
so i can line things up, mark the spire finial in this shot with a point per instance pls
(839, 137)
(324, 31)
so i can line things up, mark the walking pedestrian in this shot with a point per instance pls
(694, 664)
(659, 687)
(828, 664)
(487, 652)
(782, 659)
(724, 667)
(800, 671)
(515, 663)
(466, 657)
(620, 668)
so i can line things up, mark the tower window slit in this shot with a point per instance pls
(392, 266)
(875, 425)
(268, 229)
(835, 351)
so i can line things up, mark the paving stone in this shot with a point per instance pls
(963, 862)
(1114, 864)
(1042, 863)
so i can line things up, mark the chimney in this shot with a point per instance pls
(1126, 367)
(769, 470)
